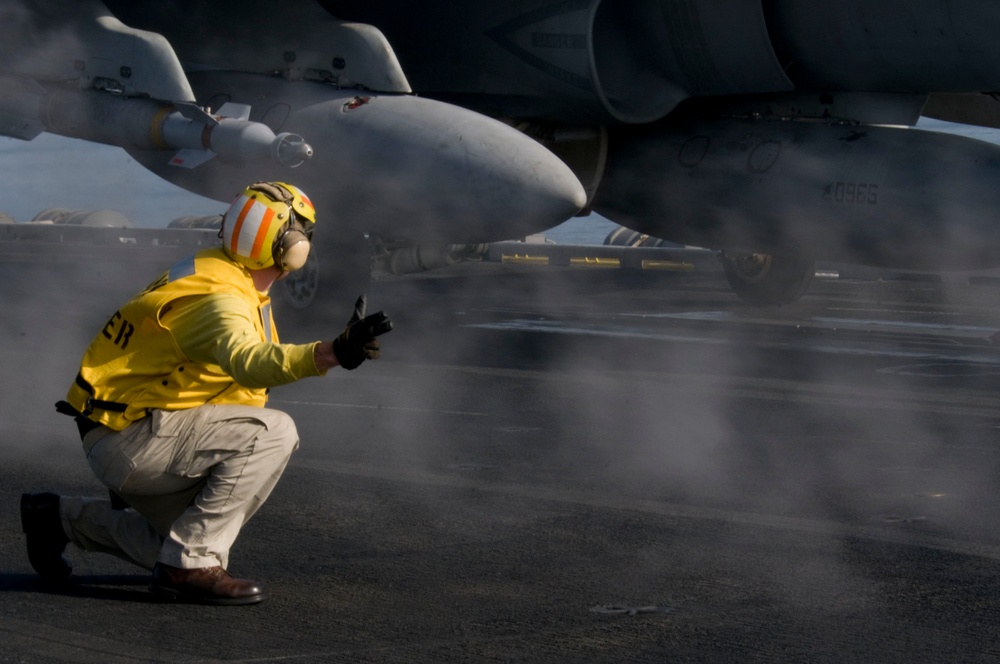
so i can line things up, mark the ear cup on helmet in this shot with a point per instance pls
(292, 250)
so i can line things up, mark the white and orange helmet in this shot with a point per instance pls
(269, 223)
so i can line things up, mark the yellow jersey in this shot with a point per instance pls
(201, 333)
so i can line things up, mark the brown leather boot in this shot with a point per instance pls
(206, 585)
(47, 540)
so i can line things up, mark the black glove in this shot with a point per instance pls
(358, 343)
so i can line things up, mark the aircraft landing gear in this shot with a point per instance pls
(766, 279)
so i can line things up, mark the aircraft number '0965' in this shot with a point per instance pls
(861, 193)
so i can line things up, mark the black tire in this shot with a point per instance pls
(765, 279)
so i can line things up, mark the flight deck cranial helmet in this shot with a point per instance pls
(269, 223)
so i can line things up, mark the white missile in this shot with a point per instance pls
(229, 132)
(198, 135)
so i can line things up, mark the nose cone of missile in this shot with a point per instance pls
(411, 167)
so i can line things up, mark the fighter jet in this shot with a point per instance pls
(778, 131)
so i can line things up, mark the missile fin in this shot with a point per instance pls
(195, 113)
(233, 111)
(189, 159)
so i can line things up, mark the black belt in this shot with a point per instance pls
(92, 403)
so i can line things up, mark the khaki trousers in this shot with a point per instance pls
(193, 478)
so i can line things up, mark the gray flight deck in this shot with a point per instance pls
(564, 465)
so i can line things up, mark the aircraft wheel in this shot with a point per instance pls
(766, 279)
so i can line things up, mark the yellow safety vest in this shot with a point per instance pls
(133, 364)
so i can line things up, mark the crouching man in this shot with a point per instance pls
(170, 404)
